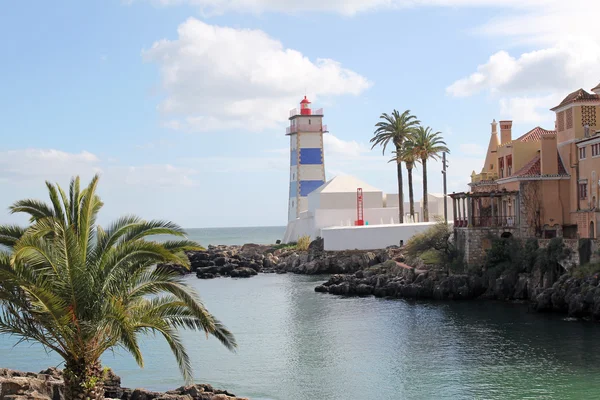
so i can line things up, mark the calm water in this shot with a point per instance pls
(233, 236)
(295, 344)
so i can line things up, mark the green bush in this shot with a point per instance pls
(435, 247)
(513, 256)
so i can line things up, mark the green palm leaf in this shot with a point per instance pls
(80, 289)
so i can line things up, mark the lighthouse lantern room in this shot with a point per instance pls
(307, 167)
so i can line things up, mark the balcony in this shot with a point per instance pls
(484, 177)
(295, 112)
(305, 128)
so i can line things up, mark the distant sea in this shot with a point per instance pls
(235, 236)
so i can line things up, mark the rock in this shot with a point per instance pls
(364, 290)
(227, 268)
(321, 289)
(220, 261)
(49, 385)
(243, 272)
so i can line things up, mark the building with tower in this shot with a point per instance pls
(543, 184)
(346, 212)
(307, 165)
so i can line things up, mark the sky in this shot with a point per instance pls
(181, 105)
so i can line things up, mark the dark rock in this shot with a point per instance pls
(220, 261)
(205, 275)
(322, 289)
(242, 272)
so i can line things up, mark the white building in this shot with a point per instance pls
(330, 209)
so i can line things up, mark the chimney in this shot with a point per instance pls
(505, 132)
(549, 155)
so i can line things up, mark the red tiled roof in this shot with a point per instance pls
(578, 95)
(535, 134)
(534, 167)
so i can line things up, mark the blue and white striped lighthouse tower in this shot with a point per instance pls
(307, 167)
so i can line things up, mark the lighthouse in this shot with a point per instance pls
(307, 167)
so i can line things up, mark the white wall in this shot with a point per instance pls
(374, 216)
(370, 237)
(300, 227)
(339, 200)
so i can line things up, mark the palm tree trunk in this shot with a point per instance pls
(411, 196)
(425, 201)
(400, 194)
(83, 380)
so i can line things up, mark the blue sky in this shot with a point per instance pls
(181, 105)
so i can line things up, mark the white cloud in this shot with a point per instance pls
(33, 166)
(223, 78)
(336, 146)
(20, 166)
(564, 67)
(533, 110)
(345, 7)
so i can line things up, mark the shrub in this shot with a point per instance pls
(303, 243)
(435, 246)
(505, 255)
(586, 270)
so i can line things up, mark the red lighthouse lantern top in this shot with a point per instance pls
(305, 107)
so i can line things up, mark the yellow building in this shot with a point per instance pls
(542, 184)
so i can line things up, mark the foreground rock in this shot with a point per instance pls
(545, 290)
(49, 385)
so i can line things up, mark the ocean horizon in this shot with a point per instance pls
(234, 235)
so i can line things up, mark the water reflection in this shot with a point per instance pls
(296, 344)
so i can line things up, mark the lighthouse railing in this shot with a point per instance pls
(296, 111)
(305, 128)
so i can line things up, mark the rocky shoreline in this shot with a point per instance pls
(382, 273)
(49, 385)
(250, 259)
(546, 291)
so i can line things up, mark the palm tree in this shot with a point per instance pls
(427, 145)
(408, 156)
(80, 289)
(395, 128)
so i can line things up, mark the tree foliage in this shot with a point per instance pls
(81, 289)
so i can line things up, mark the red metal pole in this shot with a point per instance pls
(359, 207)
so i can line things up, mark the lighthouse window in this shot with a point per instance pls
(292, 203)
(293, 177)
(309, 121)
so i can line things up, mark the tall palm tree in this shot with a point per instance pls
(427, 145)
(395, 128)
(408, 156)
(80, 289)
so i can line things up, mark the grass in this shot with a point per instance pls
(303, 243)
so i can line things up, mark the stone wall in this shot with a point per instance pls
(473, 242)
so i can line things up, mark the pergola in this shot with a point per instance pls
(499, 208)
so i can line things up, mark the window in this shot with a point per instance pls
(309, 121)
(491, 166)
(582, 153)
(583, 191)
(596, 150)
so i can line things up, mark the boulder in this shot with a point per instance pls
(243, 272)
